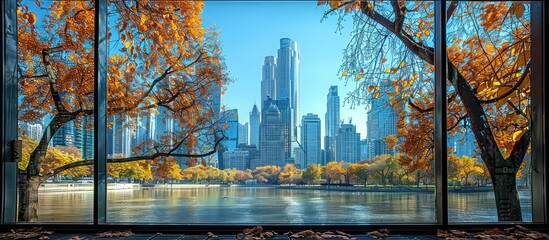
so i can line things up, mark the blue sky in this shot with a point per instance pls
(252, 30)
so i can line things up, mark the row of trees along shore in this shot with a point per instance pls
(383, 170)
(161, 58)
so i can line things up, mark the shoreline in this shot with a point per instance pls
(78, 187)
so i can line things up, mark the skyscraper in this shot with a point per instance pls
(268, 81)
(381, 122)
(243, 133)
(271, 140)
(230, 118)
(65, 135)
(34, 131)
(254, 126)
(347, 147)
(287, 85)
(332, 123)
(310, 140)
(87, 137)
(283, 107)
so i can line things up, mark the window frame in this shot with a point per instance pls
(8, 166)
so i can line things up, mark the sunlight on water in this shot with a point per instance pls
(263, 205)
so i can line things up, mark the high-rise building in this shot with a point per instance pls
(283, 106)
(364, 150)
(65, 135)
(34, 131)
(268, 81)
(347, 147)
(271, 140)
(287, 85)
(243, 133)
(241, 157)
(237, 158)
(463, 143)
(229, 120)
(310, 140)
(87, 137)
(332, 121)
(254, 126)
(381, 122)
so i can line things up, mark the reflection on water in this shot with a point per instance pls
(260, 205)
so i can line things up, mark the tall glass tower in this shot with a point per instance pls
(287, 85)
(310, 140)
(332, 123)
(268, 81)
(254, 126)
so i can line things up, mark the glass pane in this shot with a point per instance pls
(56, 62)
(489, 112)
(278, 127)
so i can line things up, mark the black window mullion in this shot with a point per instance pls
(441, 173)
(8, 168)
(537, 78)
(100, 113)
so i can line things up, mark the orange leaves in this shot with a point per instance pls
(334, 3)
(30, 17)
(523, 58)
(123, 26)
(517, 9)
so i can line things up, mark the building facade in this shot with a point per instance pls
(287, 87)
(347, 147)
(271, 140)
(255, 120)
(310, 140)
(268, 81)
(381, 122)
(331, 125)
(243, 133)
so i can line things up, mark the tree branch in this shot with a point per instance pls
(88, 162)
(53, 79)
(513, 89)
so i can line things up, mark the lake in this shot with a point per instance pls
(268, 205)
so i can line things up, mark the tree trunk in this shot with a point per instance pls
(507, 201)
(29, 203)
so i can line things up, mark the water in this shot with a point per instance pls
(251, 205)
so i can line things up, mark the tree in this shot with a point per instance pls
(267, 174)
(312, 173)
(140, 170)
(290, 175)
(160, 60)
(363, 173)
(488, 77)
(382, 167)
(166, 169)
(334, 171)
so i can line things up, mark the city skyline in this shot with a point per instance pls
(247, 44)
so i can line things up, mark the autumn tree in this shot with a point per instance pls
(392, 53)
(166, 169)
(383, 167)
(362, 173)
(136, 170)
(290, 175)
(266, 174)
(464, 167)
(334, 171)
(161, 61)
(312, 173)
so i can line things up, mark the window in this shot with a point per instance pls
(239, 113)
